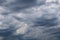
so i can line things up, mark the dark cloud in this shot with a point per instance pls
(54, 33)
(46, 22)
(1, 2)
(11, 22)
(19, 4)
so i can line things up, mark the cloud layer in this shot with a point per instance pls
(29, 20)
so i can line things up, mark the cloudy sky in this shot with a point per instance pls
(29, 19)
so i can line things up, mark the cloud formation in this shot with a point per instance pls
(30, 20)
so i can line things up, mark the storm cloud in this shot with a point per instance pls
(29, 20)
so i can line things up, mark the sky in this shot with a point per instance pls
(29, 19)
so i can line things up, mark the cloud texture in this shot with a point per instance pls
(29, 20)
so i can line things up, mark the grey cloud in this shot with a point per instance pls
(17, 5)
(40, 26)
(46, 22)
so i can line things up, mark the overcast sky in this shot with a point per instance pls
(29, 19)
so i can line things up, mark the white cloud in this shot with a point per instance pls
(23, 29)
(51, 0)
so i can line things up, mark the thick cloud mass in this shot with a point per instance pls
(46, 22)
(29, 20)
